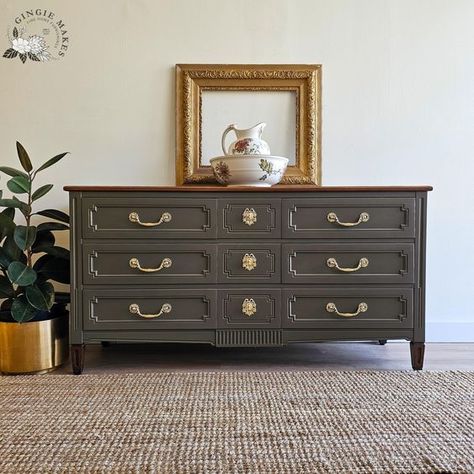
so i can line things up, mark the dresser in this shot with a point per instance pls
(242, 266)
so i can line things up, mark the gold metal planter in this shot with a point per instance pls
(33, 347)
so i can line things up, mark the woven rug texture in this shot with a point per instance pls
(238, 422)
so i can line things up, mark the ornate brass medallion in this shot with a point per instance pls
(249, 261)
(249, 216)
(249, 307)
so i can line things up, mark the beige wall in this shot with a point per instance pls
(397, 101)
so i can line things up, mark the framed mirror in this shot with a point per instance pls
(286, 97)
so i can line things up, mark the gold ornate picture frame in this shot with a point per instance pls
(193, 79)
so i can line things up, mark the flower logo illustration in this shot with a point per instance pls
(33, 48)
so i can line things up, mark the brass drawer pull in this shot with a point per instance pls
(332, 308)
(165, 263)
(134, 217)
(364, 217)
(332, 263)
(135, 309)
(249, 261)
(249, 307)
(249, 216)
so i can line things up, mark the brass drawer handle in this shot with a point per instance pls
(332, 308)
(165, 263)
(332, 263)
(135, 309)
(249, 216)
(249, 307)
(364, 217)
(249, 261)
(165, 217)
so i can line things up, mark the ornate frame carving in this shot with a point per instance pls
(192, 79)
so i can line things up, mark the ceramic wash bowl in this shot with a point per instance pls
(249, 170)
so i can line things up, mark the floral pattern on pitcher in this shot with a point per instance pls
(250, 146)
(249, 141)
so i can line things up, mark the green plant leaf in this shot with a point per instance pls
(41, 191)
(25, 209)
(16, 203)
(53, 268)
(55, 251)
(52, 226)
(40, 296)
(41, 263)
(6, 304)
(6, 288)
(20, 274)
(52, 161)
(10, 212)
(12, 250)
(23, 155)
(24, 236)
(5, 259)
(6, 223)
(19, 185)
(13, 171)
(54, 214)
(44, 239)
(22, 311)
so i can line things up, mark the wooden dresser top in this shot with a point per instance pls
(237, 189)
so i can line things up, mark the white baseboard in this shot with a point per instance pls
(453, 331)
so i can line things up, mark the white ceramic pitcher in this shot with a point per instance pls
(249, 141)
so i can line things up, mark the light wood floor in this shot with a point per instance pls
(124, 358)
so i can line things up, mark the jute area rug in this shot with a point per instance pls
(242, 422)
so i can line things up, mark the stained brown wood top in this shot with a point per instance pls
(247, 189)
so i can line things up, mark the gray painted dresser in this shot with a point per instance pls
(247, 266)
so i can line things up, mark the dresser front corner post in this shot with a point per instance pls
(77, 358)
(417, 350)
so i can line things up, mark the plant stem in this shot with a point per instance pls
(29, 253)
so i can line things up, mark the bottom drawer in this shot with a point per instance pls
(348, 308)
(249, 308)
(149, 309)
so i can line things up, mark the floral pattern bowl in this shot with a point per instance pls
(249, 170)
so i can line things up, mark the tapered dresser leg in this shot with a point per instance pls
(417, 350)
(77, 358)
(382, 342)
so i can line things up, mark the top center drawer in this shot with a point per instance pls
(156, 218)
(249, 217)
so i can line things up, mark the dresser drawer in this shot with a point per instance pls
(141, 264)
(249, 263)
(340, 307)
(154, 218)
(255, 218)
(149, 309)
(249, 308)
(348, 263)
(349, 218)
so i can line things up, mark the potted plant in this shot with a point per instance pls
(33, 317)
